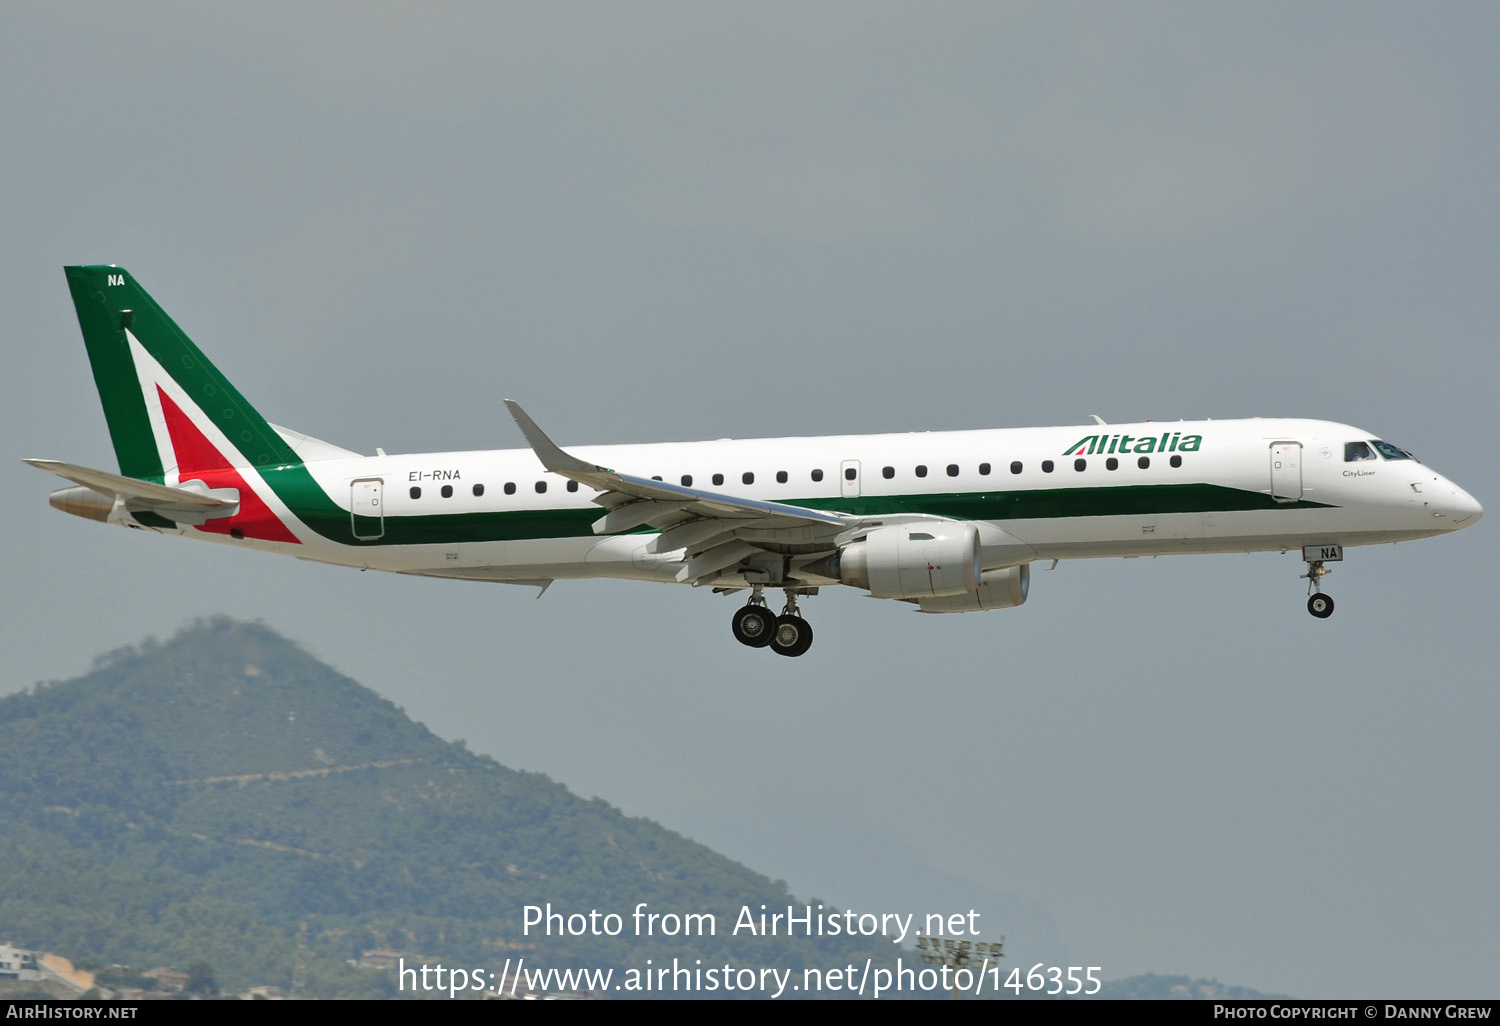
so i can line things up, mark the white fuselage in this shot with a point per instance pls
(1237, 486)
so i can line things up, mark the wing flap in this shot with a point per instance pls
(691, 536)
(709, 563)
(636, 514)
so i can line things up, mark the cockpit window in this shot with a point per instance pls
(1357, 451)
(1390, 452)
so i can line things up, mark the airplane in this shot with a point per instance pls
(949, 521)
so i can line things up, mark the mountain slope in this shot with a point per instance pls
(226, 796)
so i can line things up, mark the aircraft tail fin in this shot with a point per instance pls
(170, 411)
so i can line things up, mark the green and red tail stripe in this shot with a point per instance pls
(172, 416)
(199, 460)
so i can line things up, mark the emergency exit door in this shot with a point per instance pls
(849, 479)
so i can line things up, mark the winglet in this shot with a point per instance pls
(664, 499)
(552, 457)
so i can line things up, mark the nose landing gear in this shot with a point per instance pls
(1318, 604)
(787, 634)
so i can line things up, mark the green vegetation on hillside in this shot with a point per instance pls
(226, 799)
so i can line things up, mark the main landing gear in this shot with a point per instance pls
(787, 634)
(1318, 604)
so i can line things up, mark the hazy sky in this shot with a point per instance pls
(665, 221)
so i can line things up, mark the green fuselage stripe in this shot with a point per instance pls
(296, 487)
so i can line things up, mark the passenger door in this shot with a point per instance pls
(1286, 471)
(366, 510)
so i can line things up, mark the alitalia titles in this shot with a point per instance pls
(1102, 445)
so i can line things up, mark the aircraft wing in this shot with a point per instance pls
(716, 531)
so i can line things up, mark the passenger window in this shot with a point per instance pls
(984, 470)
(953, 470)
(416, 493)
(921, 470)
(687, 480)
(850, 473)
(1111, 464)
(718, 479)
(478, 490)
(1015, 468)
(748, 477)
(510, 488)
(656, 477)
(541, 486)
(1080, 464)
(887, 472)
(1176, 461)
(1144, 462)
(1357, 451)
(1046, 466)
(781, 477)
(447, 491)
(573, 485)
(817, 475)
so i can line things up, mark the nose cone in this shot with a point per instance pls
(1463, 509)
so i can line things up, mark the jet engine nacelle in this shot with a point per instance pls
(914, 561)
(998, 589)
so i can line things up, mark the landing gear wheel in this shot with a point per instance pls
(754, 626)
(1320, 605)
(792, 636)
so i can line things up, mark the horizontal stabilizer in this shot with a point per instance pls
(139, 494)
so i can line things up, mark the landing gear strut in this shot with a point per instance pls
(753, 624)
(1318, 604)
(787, 634)
(794, 635)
